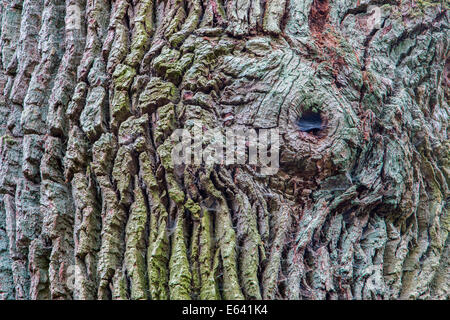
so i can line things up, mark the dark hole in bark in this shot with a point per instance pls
(310, 122)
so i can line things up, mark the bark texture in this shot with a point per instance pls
(91, 206)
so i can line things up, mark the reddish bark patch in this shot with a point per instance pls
(217, 16)
(318, 16)
(322, 33)
(386, 30)
(188, 96)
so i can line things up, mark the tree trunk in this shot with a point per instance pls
(93, 207)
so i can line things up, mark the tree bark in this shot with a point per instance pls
(92, 207)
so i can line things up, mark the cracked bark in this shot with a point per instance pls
(91, 206)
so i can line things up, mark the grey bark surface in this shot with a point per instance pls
(91, 206)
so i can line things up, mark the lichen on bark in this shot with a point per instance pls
(93, 207)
